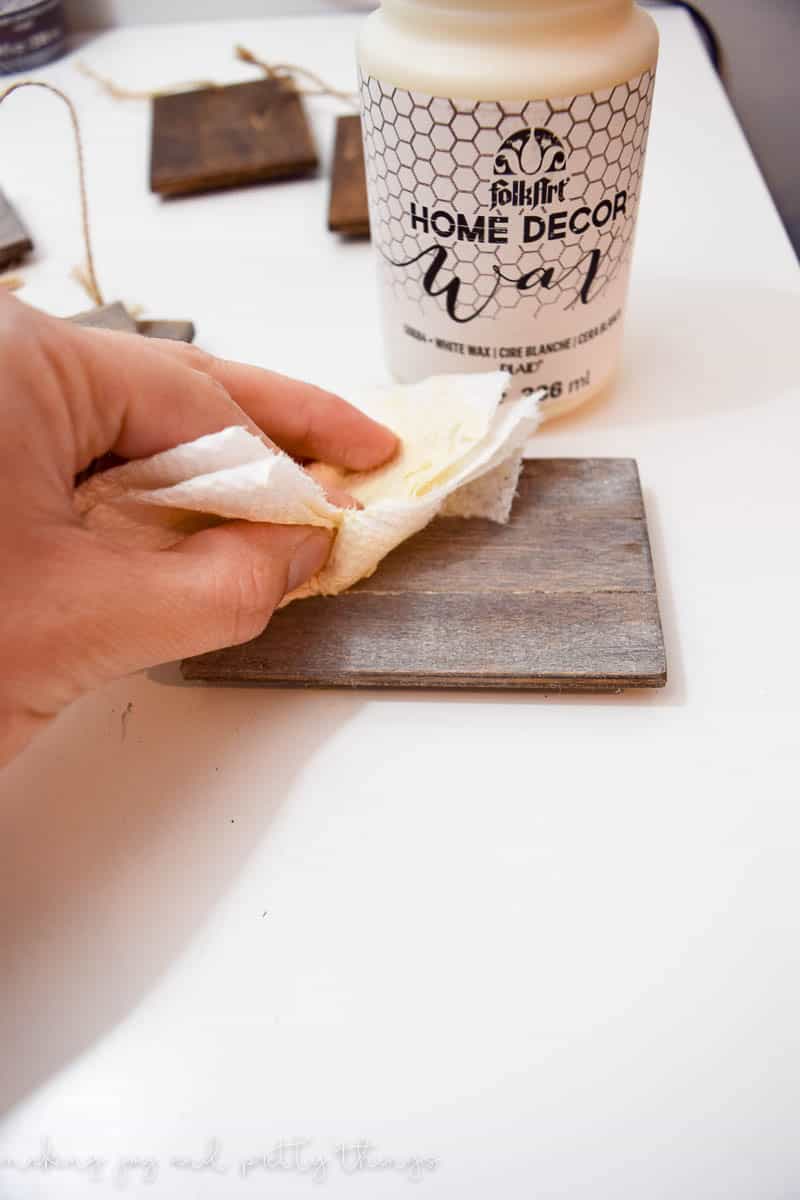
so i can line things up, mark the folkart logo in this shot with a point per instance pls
(534, 156)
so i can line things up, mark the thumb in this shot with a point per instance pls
(217, 588)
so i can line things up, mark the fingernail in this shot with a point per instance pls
(341, 498)
(309, 558)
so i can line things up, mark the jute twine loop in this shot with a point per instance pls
(90, 281)
(289, 72)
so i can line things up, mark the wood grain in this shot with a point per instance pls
(348, 211)
(563, 597)
(15, 241)
(228, 136)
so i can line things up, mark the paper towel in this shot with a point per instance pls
(460, 456)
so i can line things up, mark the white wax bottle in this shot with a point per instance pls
(504, 143)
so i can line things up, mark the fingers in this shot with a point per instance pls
(217, 588)
(254, 566)
(305, 420)
(138, 401)
(328, 477)
(133, 396)
(100, 391)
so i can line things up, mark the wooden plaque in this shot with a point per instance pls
(107, 316)
(222, 137)
(116, 317)
(561, 598)
(15, 241)
(173, 331)
(348, 212)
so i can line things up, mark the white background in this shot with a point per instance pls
(551, 942)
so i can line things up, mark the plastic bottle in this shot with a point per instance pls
(32, 33)
(504, 143)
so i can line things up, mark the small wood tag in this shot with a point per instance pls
(15, 241)
(109, 316)
(228, 136)
(174, 331)
(116, 317)
(348, 212)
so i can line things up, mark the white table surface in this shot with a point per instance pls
(549, 942)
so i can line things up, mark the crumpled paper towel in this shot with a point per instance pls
(461, 456)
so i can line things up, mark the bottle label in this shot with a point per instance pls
(504, 230)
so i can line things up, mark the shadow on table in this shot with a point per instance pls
(706, 354)
(101, 891)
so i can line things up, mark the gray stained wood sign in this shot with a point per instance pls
(563, 597)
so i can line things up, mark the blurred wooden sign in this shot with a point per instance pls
(107, 316)
(348, 212)
(228, 136)
(174, 331)
(116, 316)
(15, 241)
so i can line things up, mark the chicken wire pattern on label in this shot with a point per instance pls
(440, 153)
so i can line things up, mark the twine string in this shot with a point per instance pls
(92, 286)
(118, 92)
(291, 71)
(288, 72)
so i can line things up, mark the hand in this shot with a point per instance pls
(77, 611)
